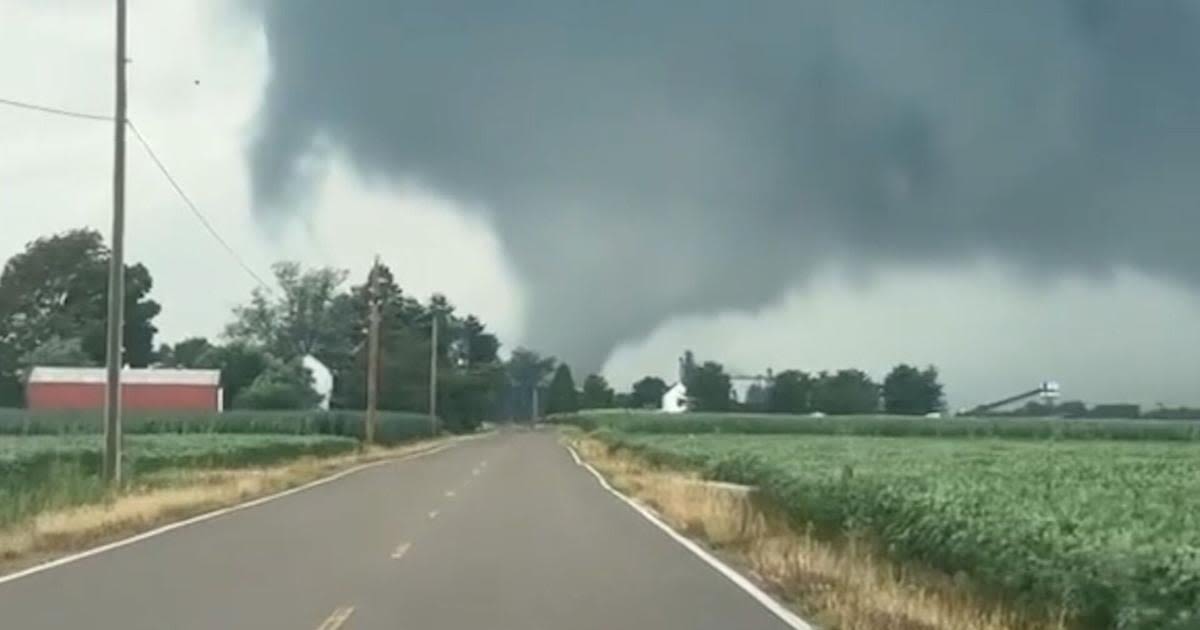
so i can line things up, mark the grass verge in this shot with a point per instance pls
(845, 585)
(167, 496)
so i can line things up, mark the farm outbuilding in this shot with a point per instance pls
(141, 389)
(675, 399)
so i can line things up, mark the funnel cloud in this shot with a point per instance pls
(641, 160)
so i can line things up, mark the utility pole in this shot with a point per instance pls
(373, 358)
(433, 375)
(116, 276)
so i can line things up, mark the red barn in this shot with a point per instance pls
(143, 389)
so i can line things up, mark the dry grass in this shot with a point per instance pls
(166, 497)
(847, 586)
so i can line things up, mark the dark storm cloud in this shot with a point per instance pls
(643, 159)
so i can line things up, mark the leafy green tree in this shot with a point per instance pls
(58, 352)
(187, 353)
(282, 385)
(526, 371)
(477, 346)
(561, 396)
(623, 400)
(467, 397)
(240, 365)
(710, 388)
(305, 317)
(648, 392)
(910, 391)
(790, 392)
(846, 392)
(58, 287)
(596, 393)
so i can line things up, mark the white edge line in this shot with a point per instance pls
(46, 566)
(779, 610)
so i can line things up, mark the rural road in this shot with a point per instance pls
(503, 532)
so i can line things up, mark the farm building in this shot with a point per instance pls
(141, 389)
(675, 399)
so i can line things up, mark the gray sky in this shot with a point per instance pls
(1021, 209)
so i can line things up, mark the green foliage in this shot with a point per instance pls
(282, 385)
(57, 289)
(240, 364)
(561, 396)
(893, 426)
(790, 392)
(596, 393)
(306, 316)
(710, 388)
(910, 391)
(45, 472)
(187, 354)
(647, 393)
(59, 352)
(394, 427)
(1105, 528)
(846, 392)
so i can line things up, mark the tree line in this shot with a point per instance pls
(906, 390)
(53, 306)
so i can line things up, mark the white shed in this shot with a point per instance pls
(675, 400)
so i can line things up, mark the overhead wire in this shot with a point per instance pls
(200, 216)
(54, 110)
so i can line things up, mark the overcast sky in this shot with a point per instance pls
(606, 250)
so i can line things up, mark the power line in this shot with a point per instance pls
(195, 210)
(54, 110)
(161, 167)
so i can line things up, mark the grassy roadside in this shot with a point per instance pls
(167, 496)
(844, 585)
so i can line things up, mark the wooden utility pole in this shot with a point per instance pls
(433, 375)
(116, 276)
(373, 357)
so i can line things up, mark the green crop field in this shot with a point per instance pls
(394, 427)
(45, 472)
(879, 425)
(1110, 529)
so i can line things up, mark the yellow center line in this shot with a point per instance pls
(338, 618)
(400, 551)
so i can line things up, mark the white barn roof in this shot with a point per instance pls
(210, 378)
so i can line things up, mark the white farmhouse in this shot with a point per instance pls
(675, 400)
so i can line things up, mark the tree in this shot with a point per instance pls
(187, 353)
(526, 370)
(596, 393)
(477, 345)
(710, 388)
(58, 287)
(648, 392)
(282, 385)
(58, 352)
(790, 392)
(240, 365)
(847, 392)
(561, 397)
(909, 391)
(306, 316)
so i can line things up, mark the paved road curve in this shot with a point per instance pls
(503, 532)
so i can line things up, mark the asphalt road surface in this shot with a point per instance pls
(503, 532)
